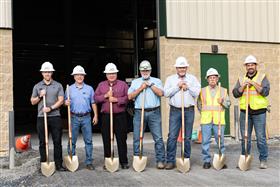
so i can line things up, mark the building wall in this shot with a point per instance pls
(224, 20)
(6, 88)
(267, 55)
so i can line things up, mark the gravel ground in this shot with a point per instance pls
(27, 170)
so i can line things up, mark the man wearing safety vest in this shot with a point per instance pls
(212, 103)
(258, 91)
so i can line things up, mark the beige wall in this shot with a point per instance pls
(267, 55)
(6, 88)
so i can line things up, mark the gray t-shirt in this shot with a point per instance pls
(53, 90)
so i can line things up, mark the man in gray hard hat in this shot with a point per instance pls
(152, 115)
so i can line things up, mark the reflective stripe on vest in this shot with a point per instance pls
(256, 101)
(210, 107)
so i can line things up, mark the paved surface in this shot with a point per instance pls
(151, 176)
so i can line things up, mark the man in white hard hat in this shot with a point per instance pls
(259, 88)
(191, 88)
(53, 91)
(118, 96)
(211, 104)
(152, 115)
(81, 104)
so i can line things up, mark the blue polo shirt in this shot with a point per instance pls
(81, 98)
(151, 99)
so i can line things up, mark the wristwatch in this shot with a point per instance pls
(152, 84)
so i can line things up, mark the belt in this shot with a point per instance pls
(80, 114)
(185, 108)
(148, 109)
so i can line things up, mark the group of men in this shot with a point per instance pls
(210, 100)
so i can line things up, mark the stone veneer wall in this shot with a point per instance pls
(267, 55)
(6, 87)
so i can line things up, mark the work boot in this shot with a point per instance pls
(90, 167)
(206, 165)
(263, 164)
(224, 167)
(169, 166)
(124, 166)
(160, 165)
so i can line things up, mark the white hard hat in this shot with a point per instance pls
(181, 62)
(47, 66)
(111, 68)
(211, 71)
(250, 59)
(145, 65)
(78, 70)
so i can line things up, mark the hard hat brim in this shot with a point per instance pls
(111, 71)
(42, 70)
(78, 73)
(180, 66)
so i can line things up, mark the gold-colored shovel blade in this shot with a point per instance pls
(183, 165)
(47, 168)
(112, 164)
(219, 161)
(244, 162)
(139, 164)
(71, 164)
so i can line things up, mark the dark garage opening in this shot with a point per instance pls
(68, 33)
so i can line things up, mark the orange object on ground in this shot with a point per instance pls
(199, 137)
(180, 136)
(22, 143)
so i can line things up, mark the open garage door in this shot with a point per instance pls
(68, 33)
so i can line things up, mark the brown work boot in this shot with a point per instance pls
(90, 167)
(170, 166)
(160, 165)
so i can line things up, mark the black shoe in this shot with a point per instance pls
(206, 165)
(124, 166)
(104, 168)
(169, 166)
(90, 167)
(60, 168)
(224, 167)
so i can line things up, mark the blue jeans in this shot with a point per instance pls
(175, 123)
(206, 130)
(153, 119)
(259, 123)
(85, 124)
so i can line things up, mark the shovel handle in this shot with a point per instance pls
(219, 114)
(111, 126)
(46, 130)
(142, 123)
(246, 119)
(183, 123)
(69, 121)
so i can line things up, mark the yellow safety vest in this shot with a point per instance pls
(210, 107)
(256, 101)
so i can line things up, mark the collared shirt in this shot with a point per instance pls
(172, 90)
(151, 99)
(119, 89)
(81, 98)
(53, 90)
(226, 103)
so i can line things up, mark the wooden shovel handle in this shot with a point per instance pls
(111, 127)
(142, 122)
(246, 118)
(219, 123)
(46, 130)
(183, 123)
(69, 121)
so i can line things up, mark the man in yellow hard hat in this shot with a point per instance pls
(212, 103)
(259, 88)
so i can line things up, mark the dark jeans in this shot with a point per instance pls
(55, 128)
(120, 130)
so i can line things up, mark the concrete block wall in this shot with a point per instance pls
(6, 87)
(269, 63)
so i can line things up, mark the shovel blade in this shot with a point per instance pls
(71, 164)
(47, 168)
(219, 161)
(112, 164)
(244, 162)
(139, 164)
(183, 165)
